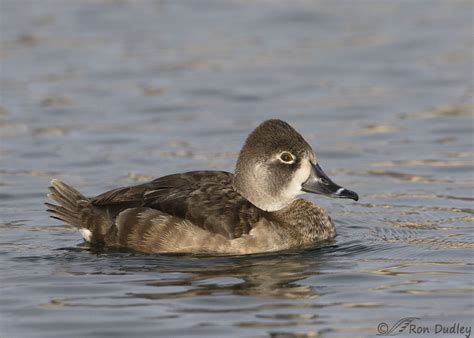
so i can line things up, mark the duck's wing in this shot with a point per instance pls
(139, 195)
(205, 198)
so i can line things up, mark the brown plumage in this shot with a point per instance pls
(209, 211)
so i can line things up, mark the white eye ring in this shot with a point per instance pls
(286, 157)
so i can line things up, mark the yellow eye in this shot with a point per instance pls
(286, 157)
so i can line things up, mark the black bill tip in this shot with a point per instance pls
(346, 193)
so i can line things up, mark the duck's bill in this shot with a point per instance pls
(319, 183)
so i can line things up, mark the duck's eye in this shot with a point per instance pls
(286, 157)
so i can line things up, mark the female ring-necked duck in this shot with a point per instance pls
(253, 210)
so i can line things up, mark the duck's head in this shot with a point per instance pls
(276, 164)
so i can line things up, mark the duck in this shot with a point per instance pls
(253, 210)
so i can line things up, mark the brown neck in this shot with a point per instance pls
(305, 219)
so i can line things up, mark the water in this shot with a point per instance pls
(103, 94)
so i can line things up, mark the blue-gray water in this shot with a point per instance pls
(103, 94)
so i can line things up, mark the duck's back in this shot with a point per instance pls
(204, 198)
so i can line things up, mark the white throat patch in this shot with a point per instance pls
(293, 189)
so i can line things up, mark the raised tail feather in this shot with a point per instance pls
(75, 209)
(70, 202)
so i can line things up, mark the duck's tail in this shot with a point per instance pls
(75, 209)
(70, 202)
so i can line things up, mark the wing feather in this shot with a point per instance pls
(205, 198)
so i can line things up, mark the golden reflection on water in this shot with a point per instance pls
(450, 110)
(391, 270)
(433, 224)
(389, 286)
(439, 244)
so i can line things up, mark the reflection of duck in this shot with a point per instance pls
(257, 277)
(253, 210)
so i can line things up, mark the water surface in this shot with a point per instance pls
(105, 93)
